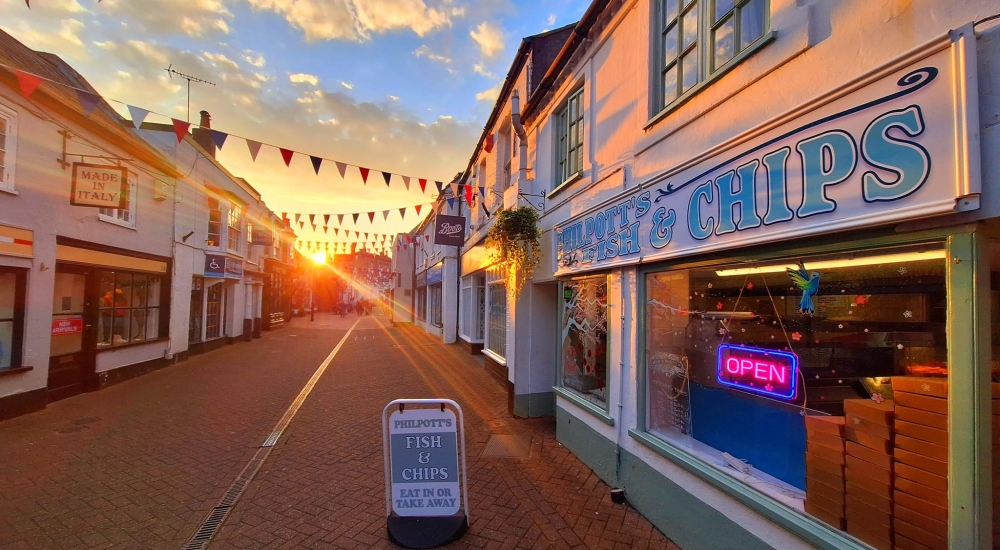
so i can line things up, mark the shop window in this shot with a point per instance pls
(434, 296)
(467, 308)
(12, 289)
(584, 338)
(496, 284)
(214, 222)
(213, 312)
(122, 216)
(235, 229)
(569, 138)
(751, 368)
(698, 38)
(421, 299)
(8, 147)
(129, 308)
(194, 314)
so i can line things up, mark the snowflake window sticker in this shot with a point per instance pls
(902, 270)
(908, 314)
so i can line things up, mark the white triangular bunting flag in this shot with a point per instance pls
(138, 115)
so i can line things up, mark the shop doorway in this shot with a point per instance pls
(71, 355)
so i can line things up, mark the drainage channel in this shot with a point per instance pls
(210, 526)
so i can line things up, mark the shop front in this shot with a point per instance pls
(805, 321)
(109, 317)
(213, 301)
(275, 306)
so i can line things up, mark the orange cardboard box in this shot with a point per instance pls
(821, 463)
(867, 454)
(855, 493)
(880, 413)
(903, 543)
(916, 431)
(930, 450)
(824, 515)
(832, 425)
(917, 534)
(933, 511)
(857, 510)
(868, 469)
(922, 462)
(922, 477)
(922, 385)
(912, 517)
(832, 494)
(833, 455)
(825, 477)
(924, 418)
(872, 539)
(834, 442)
(923, 402)
(829, 506)
(869, 440)
(910, 487)
(877, 429)
(874, 486)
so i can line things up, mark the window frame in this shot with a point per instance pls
(18, 320)
(496, 277)
(162, 308)
(562, 134)
(221, 232)
(708, 73)
(234, 229)
(602, 413)
(964, 357)
(9, 149)
(113, 215)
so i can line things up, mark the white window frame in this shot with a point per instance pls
(496, 277)
(702, 16)
(9, 147)
(234, 232)
(124, 217)
(565, 131)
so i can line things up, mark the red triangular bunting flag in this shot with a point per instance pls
(417, 208)
(180, 129)
(423, 185)
(317, 161)
(427, 238)
(355, 218)
(297, 216)
(325, 228)
(489, 144)
(254, 147)
(371, 217)
(29, 82)
(286, 154)
(468, 194)
(326, 219)
(386, 176)
(364, 174)
(312, 219)
(302, 225)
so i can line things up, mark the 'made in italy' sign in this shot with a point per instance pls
(99, 186)
(897, 144)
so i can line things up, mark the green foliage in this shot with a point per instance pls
(514, 240)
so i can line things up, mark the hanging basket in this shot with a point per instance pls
(514, 241)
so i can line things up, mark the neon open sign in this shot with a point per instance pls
(765, 371)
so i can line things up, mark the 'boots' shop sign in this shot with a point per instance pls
(897, 144)
(100, 186)
(449, 230)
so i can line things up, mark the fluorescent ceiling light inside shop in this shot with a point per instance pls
(834, 264)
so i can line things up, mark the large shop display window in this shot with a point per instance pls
(128, 308)
(585, 339)
(782, 375)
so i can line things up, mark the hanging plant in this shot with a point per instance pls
(514, 240)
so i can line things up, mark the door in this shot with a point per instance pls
(71, 353)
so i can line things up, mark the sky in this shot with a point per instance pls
(403, 86)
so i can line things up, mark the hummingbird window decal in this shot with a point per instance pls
(808, 283)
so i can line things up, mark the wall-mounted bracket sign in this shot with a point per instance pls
(99, 186)
(449, 230)
(427, 498)
(765, 371)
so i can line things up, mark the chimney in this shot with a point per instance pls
(202, 135)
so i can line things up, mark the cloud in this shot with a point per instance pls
(481, 69)
(490, 95)
(358, 20)
(551, 20)
(425, 51)
(393, 97)
(347, 85)
(299, 78)
(220, 60)
(194, 18)
(254, 58)
(489, 38)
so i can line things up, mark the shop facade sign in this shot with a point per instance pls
(99, 186)
(261, 236)
(220, 265)
(426, 505)
(449, 230)
(899, 144)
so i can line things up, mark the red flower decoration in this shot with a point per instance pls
(877, 397)
(860, 300)
(796, 336)
(750, 285)
(719, 306)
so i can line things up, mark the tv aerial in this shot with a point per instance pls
(171, 71)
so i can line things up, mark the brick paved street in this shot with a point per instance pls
(141, 464)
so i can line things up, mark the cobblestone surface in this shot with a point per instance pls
(140, 465)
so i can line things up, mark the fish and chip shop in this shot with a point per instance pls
(800, 318)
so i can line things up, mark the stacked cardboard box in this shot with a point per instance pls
(921, 455)
(825, 469)
(869, 472)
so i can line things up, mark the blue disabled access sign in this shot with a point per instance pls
(423, 446)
